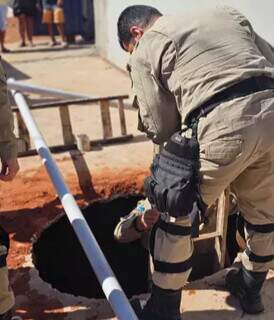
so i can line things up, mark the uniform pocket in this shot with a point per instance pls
(223, 151)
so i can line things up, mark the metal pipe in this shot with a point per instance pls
(109, 283)
(29, 88)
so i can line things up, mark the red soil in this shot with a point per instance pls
(30, 203)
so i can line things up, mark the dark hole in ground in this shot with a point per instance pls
(61, 261)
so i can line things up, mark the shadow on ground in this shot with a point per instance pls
(13, 72)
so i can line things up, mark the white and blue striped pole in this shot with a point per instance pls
(30, 88)
(105, 276)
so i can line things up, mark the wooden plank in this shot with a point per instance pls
(207, 236)
(21, 145)
(63, 148)
(122, 117)
(23, 131)
(83, 143)
(66, 125)
(106, 119)
(112, 140)
(64, 103)
(221, 226)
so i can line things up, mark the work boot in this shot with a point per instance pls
(162, 305)
(246, 286)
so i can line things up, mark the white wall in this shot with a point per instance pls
(260, 13)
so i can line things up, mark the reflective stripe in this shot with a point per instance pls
(174, 229)
(178, 267)
(261, 228)
(261, 259)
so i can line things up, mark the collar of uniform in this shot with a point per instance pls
(129, 63)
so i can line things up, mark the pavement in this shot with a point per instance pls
(80, 70)
(204, 299)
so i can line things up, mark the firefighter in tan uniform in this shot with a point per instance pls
(8, 156)
(204, 86)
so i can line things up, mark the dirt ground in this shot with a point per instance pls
(29, 203)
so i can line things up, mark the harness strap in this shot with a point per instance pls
(260, 259)
(178, 267)
(174, 229)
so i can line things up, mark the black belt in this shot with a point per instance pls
(238, 90)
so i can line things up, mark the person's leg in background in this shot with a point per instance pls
(29, 28)
(22, 29)
(48, 20)
(3, 24)
(59, 20)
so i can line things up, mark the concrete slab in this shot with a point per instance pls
(205, 299)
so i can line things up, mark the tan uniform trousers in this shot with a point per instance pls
(237, 149)
(6, 294)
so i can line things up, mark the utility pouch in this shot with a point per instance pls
(173, 186)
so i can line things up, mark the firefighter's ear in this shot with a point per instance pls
(136, 32)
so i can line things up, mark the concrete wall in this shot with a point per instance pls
(260, 13)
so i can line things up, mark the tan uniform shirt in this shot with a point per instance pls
(182, 61)
(8, 148)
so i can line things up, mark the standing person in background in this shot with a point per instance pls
(3, 25)
(53, 13)
(25, 10)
